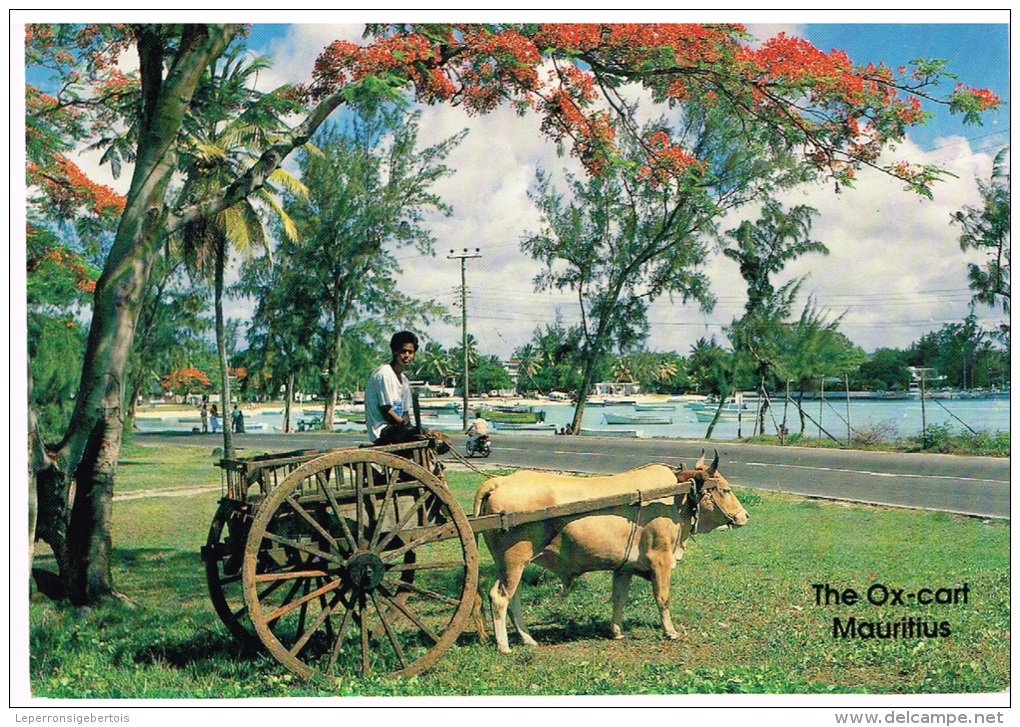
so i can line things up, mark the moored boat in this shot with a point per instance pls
(610, 432)
(637, 419)
(518, 427)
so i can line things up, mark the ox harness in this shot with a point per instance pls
(691, 498)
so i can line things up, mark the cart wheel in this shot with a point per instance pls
(359, 562)
(222, 556)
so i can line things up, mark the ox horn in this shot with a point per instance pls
(715, 464)
(701, 461)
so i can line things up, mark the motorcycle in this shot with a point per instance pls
(479, 445)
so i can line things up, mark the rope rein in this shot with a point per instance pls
(464, 460)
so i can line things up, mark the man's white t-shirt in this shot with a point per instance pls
(385, 388)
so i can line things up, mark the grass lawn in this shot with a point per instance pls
(743, 600)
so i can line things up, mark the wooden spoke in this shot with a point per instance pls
(322, 618)
(313, 595)
(396, 604)
(290, 543)
(352, 542)
(391, 481)
(389, 630)
(311, 521)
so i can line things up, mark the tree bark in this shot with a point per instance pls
(221, 351)
(287, 398)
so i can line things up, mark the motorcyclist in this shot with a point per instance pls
(478, 430)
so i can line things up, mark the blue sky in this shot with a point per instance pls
(895, 271)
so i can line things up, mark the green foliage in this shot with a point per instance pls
(488, 375)
(962, 356)
(885, 370)
(55, 348)
(986, 229)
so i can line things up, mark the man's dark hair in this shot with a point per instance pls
(399, 339)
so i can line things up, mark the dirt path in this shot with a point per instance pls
(167, 492)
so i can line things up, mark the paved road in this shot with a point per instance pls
(969, 485)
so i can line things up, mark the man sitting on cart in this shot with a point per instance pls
(388, 395)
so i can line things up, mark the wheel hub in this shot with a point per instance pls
(365, 570)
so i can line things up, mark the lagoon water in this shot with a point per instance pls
(897, 418)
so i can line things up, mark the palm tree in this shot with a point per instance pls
(433, 363)
(529, 363)
(216, 146)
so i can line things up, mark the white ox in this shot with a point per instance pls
(646, 540)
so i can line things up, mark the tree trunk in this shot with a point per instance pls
(75, 489)
(287, 397)
(38, 460)
(329, 388)
(723, 395)
(221, 350)
(582, 394)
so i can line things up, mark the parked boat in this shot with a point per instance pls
(654, 407)
(637, 419)
(728, 412)
(447, 407)
(610, 432)
(515, 427)
(514, 415)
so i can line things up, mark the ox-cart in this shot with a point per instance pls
(356, 560)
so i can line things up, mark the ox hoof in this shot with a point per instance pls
(617, 637)
(672, 635)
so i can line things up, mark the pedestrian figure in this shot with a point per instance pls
(205, 419)
(214, 418)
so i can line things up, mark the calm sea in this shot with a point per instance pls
(900, 418)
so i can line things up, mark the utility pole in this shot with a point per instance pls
(466, 255)
(924, 424)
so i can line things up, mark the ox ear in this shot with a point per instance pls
(715, 465)
(701, 461)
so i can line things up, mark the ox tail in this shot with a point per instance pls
(477, 616)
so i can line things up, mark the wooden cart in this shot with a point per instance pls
(353, 561)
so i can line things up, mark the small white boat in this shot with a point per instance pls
(515, 427)
(256, 427)
(654, 407)
(610, 432)
(728, 412)
(637, 419)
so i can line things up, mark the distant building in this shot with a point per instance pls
(617, 388)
